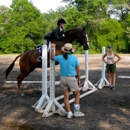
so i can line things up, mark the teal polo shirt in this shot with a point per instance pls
(67, 67)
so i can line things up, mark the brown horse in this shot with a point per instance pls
(28, 60)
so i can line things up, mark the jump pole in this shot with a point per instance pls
(124, 77)
(41, 103)
(103, 81)
(31, 82)
(38, 82)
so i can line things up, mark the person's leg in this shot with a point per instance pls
(113, 75)
(66, 102)
(110, 78)
(76, 94)
(66, 99)
(77, 112)
(108, 70)
(113, 81)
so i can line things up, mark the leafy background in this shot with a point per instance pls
(22, 26)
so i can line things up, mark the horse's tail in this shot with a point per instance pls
(8, 70)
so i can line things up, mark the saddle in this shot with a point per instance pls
(39, 47)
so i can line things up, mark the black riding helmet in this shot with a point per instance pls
(60, 21)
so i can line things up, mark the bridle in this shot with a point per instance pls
(82, 42)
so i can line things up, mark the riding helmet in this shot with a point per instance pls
(61, 21)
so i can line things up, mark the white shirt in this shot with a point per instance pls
(110, 58)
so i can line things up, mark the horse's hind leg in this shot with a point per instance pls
(20, 78)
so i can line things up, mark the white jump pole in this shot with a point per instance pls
(103, 81)
(38, 82)
(32, 82)
(124, 77)
(40, 104)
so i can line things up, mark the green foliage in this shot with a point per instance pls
(111, 33)
(23, 26)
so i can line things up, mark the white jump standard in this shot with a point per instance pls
(40, 104)
(103, 81)
(87, 83)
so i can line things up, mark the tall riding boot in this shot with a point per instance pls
(39, 58)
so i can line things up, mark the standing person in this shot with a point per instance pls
(57, 33)
(69, 68)
(111, 65)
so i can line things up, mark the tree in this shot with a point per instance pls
(111, 33)
(5, 18)
(126, 26)
(25, 29)
(119, 9)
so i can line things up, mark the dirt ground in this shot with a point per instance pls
(104, 109)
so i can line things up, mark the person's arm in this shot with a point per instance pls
(103, 58)
(118, 57)
(78, 74)
(52, 50)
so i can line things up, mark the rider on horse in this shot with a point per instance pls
(57, 33)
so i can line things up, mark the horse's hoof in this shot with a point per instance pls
(22, 95)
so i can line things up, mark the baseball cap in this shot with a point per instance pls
(110, 46)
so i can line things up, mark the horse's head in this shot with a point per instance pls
(82, 38)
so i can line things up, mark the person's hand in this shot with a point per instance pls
(53, 45)
(114, 62)
(63, 35)
(79, 83)
(105, 62)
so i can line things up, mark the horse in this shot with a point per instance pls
(28, 60)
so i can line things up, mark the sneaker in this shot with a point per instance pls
(39, 59)
(108, 87)
(78, 113)
(69, 115)
(113, 88)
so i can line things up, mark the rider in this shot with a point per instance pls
(57, 33)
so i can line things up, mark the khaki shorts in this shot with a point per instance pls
(69, 82)
(111, 68)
